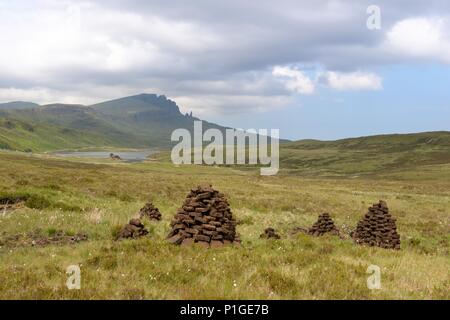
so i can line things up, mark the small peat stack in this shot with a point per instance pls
(204, 218)
(134, 229)
(323, 225)
(270, 233)
(150, 211)
(377, 228)
(114, 156)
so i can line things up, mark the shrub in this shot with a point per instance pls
(22, 182)
(6, 197)
(125, 198)
(53, 187)
(37, 202)
(414, 242)
(115, 231)
(66, 207)
(51, 231)
(28, 127)
(5, 146)
(8, 125)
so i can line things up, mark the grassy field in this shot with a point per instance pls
(95, 197)
(366, 156)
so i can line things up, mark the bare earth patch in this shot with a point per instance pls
(36, 238)
(9, 207)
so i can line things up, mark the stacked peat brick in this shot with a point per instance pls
(150, 211)
(377, 228)
(134, 229)
(270, 233)
(205, 218)
(324, 224)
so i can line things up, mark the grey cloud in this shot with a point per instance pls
(211, 48)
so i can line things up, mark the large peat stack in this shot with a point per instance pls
(150, 211)
(204, 218)
(377, 228)
(323, 225)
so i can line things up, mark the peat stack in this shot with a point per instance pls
(114, 156)
(270, 233)
(323, 225)
(134, 229)
(377, 228)
(204, 218)
(150, 211)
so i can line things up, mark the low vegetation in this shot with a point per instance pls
(97, 197)
(366, 156)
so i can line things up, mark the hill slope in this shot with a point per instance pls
(148, 116)
(366, 155)
(145, 120)
(59, 126)
(35, 136)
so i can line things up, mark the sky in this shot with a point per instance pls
(323, 69)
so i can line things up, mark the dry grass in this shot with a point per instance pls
(94, 198)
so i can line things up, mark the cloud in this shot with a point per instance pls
(210, 105)
(351, 81)
(96, 40)
(427, 38)
(294, 79)
(80, 95)
(297, 82)
(238, 52)
(31, 94)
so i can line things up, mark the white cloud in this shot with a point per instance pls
(294, 79)
(220, 53)
(210, 105)
(420, 37)
(83, 94)
(47, 40)
(32, 94)
(351, 80)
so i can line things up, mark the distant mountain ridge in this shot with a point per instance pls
(15, 105)
(139, 103)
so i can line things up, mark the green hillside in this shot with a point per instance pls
(366, 155)
(141, 121)
(147, 120)
(150, 117)
(35, 136)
